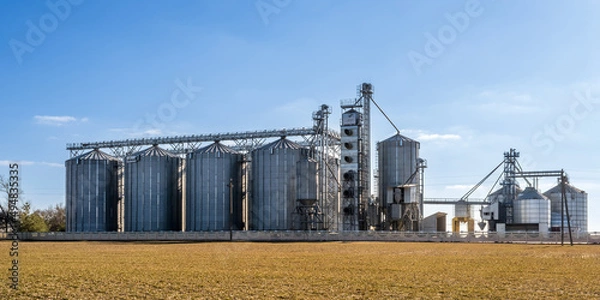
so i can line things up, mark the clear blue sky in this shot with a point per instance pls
(496, 75)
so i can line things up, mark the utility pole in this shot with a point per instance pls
(565, 205)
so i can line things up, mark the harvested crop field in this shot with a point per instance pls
(332, 270)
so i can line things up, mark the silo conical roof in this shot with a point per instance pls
(95, 154)
(530, 193)
(282, 143)
(500, 191)
(397, 137)
(154, 151)
(216, 147)
(568, 189)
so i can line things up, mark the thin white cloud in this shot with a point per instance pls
(422, 135)
(57, 120)
(6, 163)
(154, 132)
(50, 164)
(20, 162)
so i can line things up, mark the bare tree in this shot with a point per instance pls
(4, 207)
(8, 217)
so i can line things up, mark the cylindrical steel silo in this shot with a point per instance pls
(397, 157)
(152, 192)
(306, 179)
(531, 207)
(307, 215)
(274, 185)
(91, 192)
(577, 205)
(207, 188)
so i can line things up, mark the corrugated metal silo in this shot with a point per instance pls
(577, 203)
(92, 192)
(152, 193)
(274, 185)
(531, 207)
(399, 183)
(207, 192)
(397, 157)
(306, 176)
(307, 215)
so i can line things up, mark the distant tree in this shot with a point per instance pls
(54, 217)
(4, 192)
(51, 219)
(31, 221)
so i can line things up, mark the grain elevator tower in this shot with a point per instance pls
(355, 159)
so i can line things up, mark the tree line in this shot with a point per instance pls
(52, 218)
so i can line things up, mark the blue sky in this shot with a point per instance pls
(517, 74)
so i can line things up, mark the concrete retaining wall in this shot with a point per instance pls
(313, 236)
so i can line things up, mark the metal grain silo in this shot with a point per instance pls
(531, 207)
(152, 192)
(308, 214)
(274, 185)
(306, 179)
(398, 157)
(399, 182)
(91, 192)
(207, 188)
(577, 204)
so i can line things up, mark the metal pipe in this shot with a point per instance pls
(386, 116)
(473, 189)
(230, 185)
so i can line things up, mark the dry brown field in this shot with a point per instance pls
(332, 270)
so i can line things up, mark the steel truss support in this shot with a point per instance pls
(326, 149)
(246, 141)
